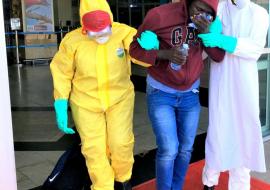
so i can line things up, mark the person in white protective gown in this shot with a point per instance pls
(234, 139)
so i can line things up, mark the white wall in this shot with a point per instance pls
(7, 161)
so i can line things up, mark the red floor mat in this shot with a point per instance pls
(193, 180)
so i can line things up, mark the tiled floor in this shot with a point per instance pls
(34, 123)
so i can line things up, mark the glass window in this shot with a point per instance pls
(264, 81)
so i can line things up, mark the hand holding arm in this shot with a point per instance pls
(148, 40)
(216, 39)
(227, 43)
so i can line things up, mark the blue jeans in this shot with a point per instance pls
(174, 120)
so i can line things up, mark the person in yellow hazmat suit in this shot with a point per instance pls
(91, 73)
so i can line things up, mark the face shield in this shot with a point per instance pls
(101, 37)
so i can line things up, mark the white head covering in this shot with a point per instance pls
(240, 4)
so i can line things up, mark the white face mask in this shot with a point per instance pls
(102, 40)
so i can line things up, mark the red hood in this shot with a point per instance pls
(213, 4)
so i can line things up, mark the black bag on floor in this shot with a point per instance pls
(70, 172)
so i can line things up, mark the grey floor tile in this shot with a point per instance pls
(51, 156)
(33, 167)
(143, 129)
(140, 119)
(140, 103)
(265, 176)
(26, 184)
(144, 143)
(37, 173)
(199, 131)
(20, 177)
(28, 158)
(31, 86)
(36, 126)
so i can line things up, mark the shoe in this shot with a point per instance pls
(209, 188)
(122, 185)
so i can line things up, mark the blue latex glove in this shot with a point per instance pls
(60, 107)
(148, 40)
(227, 43)
(216, 26)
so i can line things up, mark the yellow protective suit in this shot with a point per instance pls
(96, 81)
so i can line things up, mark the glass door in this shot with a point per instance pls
(264, 83)
(264, 79)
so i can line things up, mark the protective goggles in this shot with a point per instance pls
(103, 33)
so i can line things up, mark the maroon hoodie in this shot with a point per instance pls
(169, 22)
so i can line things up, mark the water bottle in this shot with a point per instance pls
(184, 49)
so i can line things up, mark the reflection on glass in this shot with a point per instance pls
(263, 95)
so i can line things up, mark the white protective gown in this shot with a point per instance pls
(234, 137)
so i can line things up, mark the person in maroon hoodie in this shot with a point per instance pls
(173, 80)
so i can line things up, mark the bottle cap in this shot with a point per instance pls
(185, 46)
